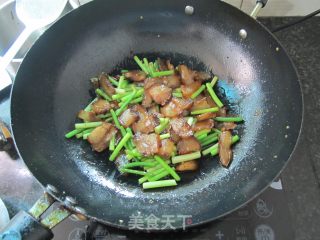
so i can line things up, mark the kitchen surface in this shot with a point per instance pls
(288, 209)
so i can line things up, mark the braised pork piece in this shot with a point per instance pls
(158, 120)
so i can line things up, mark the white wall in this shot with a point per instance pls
(279, 7)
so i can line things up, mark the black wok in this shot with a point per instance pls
(52, 84)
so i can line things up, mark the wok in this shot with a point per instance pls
(261, 85)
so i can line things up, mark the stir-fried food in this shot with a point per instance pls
(157, 120)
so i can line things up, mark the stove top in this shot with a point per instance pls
(265, 218)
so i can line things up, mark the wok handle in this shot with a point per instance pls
(259, 4)
(24, 226)
(38, 222)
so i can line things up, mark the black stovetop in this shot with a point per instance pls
(277, 213)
